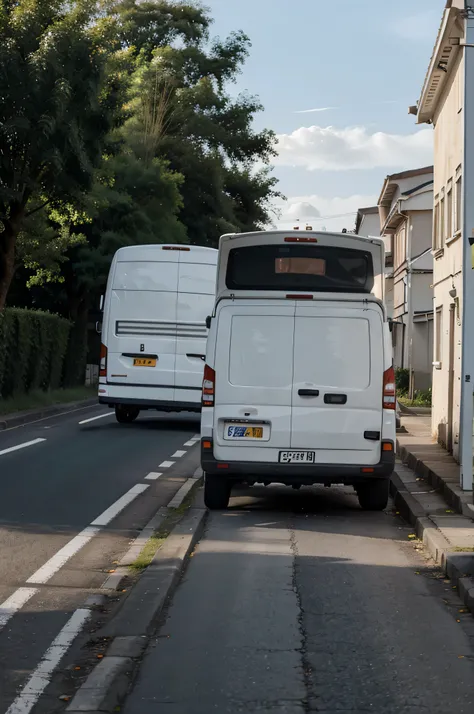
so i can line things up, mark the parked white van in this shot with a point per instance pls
(298, 385)
(154, 328)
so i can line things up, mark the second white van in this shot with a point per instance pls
(298, 384)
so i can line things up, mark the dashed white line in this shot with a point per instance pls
(101, 416)
(14, 603)
(178, 454)
(196, 437)
(21, 446)
(41, 677)
(191, 442)
(153, 475)
(166, 464)
(52, 566)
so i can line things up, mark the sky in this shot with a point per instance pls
(336, 78)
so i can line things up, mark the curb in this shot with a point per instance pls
(22, 418)
(133, 625)
(458, 567)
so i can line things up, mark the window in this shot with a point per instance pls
(441, 230)
(300, 267)
(400, 246)
(449, 211)
(436, 225)
(458, 205)
(438, 339)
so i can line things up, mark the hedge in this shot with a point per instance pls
(33, 348)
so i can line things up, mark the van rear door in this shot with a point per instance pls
(338, 382)
(254, 370)
(141, 346)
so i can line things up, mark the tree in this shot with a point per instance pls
(57, 107)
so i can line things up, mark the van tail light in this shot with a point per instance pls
(389, 397)
(103, 361)
(208, 385)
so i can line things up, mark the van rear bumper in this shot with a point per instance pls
(305, 474)
(158, 404)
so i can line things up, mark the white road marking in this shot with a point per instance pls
(178, 454)
(14, 603)
(177, 500)
(21, 446)
(52, 566)
(166, 464)
(153, 475)
(108, 515)
(41, 677)
(196, 437)
(191, 442)
(101, 416)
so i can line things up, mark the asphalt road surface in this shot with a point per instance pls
(297, 602)
(74, 492)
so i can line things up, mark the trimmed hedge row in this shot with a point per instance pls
(33, 349)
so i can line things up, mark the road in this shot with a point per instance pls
(297, 602)
(74, 492)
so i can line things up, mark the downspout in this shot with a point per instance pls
(409, 300)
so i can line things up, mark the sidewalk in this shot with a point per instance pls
(426, 491)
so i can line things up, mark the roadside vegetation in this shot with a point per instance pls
(421, 398)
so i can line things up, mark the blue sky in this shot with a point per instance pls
(361, 61)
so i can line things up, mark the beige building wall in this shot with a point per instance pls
(447, 249)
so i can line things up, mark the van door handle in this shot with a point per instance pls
(308, 392)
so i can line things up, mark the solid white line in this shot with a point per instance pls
(41, 677)
(178, 454)
(52, 566)
(21, 446)
(108, 515)
(14, 603)
(153, 475)
(166, 464)
(177, 500)
(101, 416)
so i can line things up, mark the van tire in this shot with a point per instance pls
(125, 414)
(217, 491)
(373, 496)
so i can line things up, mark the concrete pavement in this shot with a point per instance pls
(297, 602)
(74, 492)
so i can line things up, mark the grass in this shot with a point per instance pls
(39, 399)
(155, 542)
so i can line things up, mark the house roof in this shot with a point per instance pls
(390, 184)
(444, 53)
(364, 212)
(411, 191)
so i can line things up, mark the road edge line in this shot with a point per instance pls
(109, 682)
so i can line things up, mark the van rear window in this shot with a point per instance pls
(300, 267)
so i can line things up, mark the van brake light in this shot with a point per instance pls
(208, 384)
(103, 361)
(389, 396)
(174, 247)
(300, 239)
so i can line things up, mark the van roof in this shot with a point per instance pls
(166, 253)
(322, 235)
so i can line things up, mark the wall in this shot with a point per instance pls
(448, 146)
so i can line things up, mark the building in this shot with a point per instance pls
(405, 208)
(367, 222)
(441, 104)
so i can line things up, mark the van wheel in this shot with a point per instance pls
(373, 496)
(216, 492)
(125, 415)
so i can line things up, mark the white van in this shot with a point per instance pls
(154, 328)
(298, 385)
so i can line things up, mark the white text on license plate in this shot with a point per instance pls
(296, 457)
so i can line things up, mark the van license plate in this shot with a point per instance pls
(144, 362)
(235, 431)
(296, 457)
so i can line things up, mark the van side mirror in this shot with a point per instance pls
(208, 322)
(98, 327)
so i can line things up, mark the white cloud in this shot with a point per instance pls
(312, 111)
(333, 213)
(331, 149)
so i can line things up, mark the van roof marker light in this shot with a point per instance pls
(173, 247)
(300, 239)
(299, 296)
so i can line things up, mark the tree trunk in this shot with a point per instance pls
(7, 261)
(75, 367)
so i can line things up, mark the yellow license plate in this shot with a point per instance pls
(144, 362)
(244, 432)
